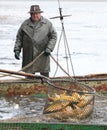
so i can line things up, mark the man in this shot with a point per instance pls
(36, 35)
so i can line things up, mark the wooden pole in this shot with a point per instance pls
(18, 73)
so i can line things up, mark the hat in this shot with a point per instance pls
(35, 9)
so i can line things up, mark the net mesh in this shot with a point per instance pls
(69, 100)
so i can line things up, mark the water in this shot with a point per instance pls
(20, 107)
(86, 33)
(30, 109)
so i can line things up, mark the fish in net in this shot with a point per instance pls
(69, 99)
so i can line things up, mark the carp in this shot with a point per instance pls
(85, 100)
(63, 106)
(69, 113)
(59, 102)
(56, 106)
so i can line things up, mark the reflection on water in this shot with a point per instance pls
(20, 106)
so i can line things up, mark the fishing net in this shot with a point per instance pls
(68, 99)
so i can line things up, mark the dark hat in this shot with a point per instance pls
(35, 9)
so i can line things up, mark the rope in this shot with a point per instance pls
(67, 47)
(57, 53)
(28, 65)
(31, 63)
(61, 67)
(67, 52)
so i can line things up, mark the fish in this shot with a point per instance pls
(58, 102)
(72, 98)
(60, 115)
(85, 111)
(85, 100)
(56, 106)
(70, 113)
(63, 106)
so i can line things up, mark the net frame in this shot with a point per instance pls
(69, 87)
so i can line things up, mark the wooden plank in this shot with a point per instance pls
(17, 73)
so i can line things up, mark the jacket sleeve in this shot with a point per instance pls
(52, 37)
(19, 40)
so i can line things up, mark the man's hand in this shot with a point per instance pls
(17, 54)
(47, 52)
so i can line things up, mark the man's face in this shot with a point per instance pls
(35, 16)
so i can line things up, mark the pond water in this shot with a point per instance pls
(86, 32)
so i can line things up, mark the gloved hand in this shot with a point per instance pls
(47, 52)
(17, 54)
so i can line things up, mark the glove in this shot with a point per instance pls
(47, 52)
(17, 54)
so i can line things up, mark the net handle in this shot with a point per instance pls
(69, 90)
(48, 81)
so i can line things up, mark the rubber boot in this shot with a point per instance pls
(45, 74)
